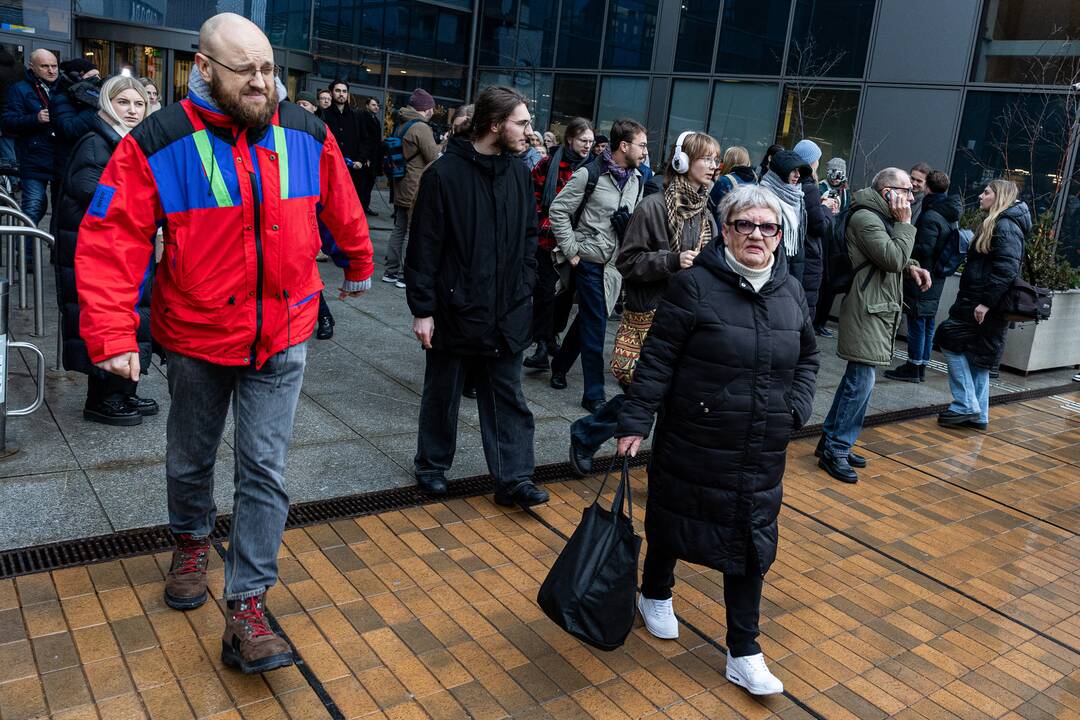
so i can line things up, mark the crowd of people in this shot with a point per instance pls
(722, 276)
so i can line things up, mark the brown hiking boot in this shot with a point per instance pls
(249, 645)
(185, 585)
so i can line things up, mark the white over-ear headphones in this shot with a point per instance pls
(680, 163)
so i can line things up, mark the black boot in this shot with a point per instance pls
(905, 373)
(144, 406)
(112, 410)
(525, 495)
(539, 359)
(326, 328)
(922, 373)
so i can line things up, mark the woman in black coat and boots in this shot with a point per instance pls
(729, 365)
(110, 399)
(973, 338)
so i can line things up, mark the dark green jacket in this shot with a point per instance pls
(870, 313)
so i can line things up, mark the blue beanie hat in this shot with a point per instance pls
(808, 151)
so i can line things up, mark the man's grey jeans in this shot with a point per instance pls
(264, 404)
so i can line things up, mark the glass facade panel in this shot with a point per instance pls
(829, 38)
(1018, 137)
(825, 115)
(697, 33)
(288, 23)
(498, 33)
(348, 63)
(1035, 42)
(440, 79)
(631, 27)
(621, 98)
(572, 97)
(744, 114)
(407, 26)
(689, 109)
(37, 18)
(1070, 221)
(536, 33)
(579, 34)
(533, 85)
(752, 35)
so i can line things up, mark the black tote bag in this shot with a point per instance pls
(592, 586)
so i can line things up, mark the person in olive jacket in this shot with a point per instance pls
(940, 215)
(879, 240)
(469, 278)
(973, 338)
(729, 368)
(110, 399)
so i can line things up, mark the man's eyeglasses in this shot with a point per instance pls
(521, 123)
(909, 191)
(267, 71)
(644, 146)
(745, 227)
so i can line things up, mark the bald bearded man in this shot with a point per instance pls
(247, 187)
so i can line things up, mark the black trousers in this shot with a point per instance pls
(364, 181)
(544, 297)
(742, 598)
(506, 423)
(102, 385)
(824, 306)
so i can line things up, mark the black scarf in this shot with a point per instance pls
(552, 177)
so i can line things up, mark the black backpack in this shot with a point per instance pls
(838, 268)
(952, 251)
(1024, 302)
(595, 171)
(393, 152)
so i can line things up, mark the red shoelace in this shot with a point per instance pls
(250, 613)
(192, 559)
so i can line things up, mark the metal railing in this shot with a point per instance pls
(18, 225)
(5, 346)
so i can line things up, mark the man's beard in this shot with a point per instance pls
(244, 113)
(506, 145)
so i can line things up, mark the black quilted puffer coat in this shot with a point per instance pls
(730, 373)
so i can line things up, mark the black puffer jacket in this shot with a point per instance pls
(88, 160)
(940, 213)
(817, 223)
(731, 373)
(471, 260)
(72, 110)
(986, 278)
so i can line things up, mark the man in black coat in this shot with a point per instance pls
(370, 152)
(73, 105)
(26, 118)
(469, 276)
(937, 222)
(344, 122)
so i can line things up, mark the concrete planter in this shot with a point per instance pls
(1054, 343)
(948, 297)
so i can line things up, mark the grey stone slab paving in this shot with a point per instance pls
(355, 428)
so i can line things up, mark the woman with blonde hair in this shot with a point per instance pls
(666, 233)
(153, 95)
(973, 337)
(734, 171)
(110, 399)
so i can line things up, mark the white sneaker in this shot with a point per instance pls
(750, 672)
(659, 617)
(1076, 377)
(399, 283)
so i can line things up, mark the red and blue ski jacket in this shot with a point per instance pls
(244, 214)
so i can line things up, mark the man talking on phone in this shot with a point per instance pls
(880, 238)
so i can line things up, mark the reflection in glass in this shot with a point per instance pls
(573, 97)
(697, 30)
(621, 98)
(689, 108)
(1034, 42)
(533, 85)
(536, 33)
(349, 63)
(1070, 221)
(407, 26)
(437, 78)
(743, 114)
(825, 115)
(579, 34)
(631, 27)
(182, 62)
(829, 38)
(38, 18)
(498, 32)
(752, 34)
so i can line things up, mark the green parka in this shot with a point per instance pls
(870, 312)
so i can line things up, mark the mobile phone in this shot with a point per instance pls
(888, 195)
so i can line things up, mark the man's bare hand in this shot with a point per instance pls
(43, 116)
(980, 313)
(126, 366)
(922, 277)
(686, 258)
(342, 293)
(629, 445)
(575, 260)
(900, 206)
(424, 329)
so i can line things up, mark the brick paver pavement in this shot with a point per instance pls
(945, 584)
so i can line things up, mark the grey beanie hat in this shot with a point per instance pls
(837, 165)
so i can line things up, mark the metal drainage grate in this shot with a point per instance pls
(130, 543)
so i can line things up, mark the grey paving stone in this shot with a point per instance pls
(50, 508)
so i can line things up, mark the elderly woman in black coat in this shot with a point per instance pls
(110, 399)
(973, 338)
(729, 366)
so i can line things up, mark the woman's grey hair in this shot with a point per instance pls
(745, 197)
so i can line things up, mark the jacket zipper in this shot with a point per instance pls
(258, 268)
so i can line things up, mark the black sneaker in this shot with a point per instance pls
(326, 328)
(390, 278)
(950, 418)
(469, 391)
(112, 411)
(823, 332)
(975, 425)
(525, 495)
(580, 461)
(432, 484)
(558, 380)
(905, 373)
(539, 359)
(144, 406)
(854, 458)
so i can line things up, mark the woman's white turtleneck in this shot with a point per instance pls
(757, 277)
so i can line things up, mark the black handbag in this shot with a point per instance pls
(1023, 302)
(591, 588)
